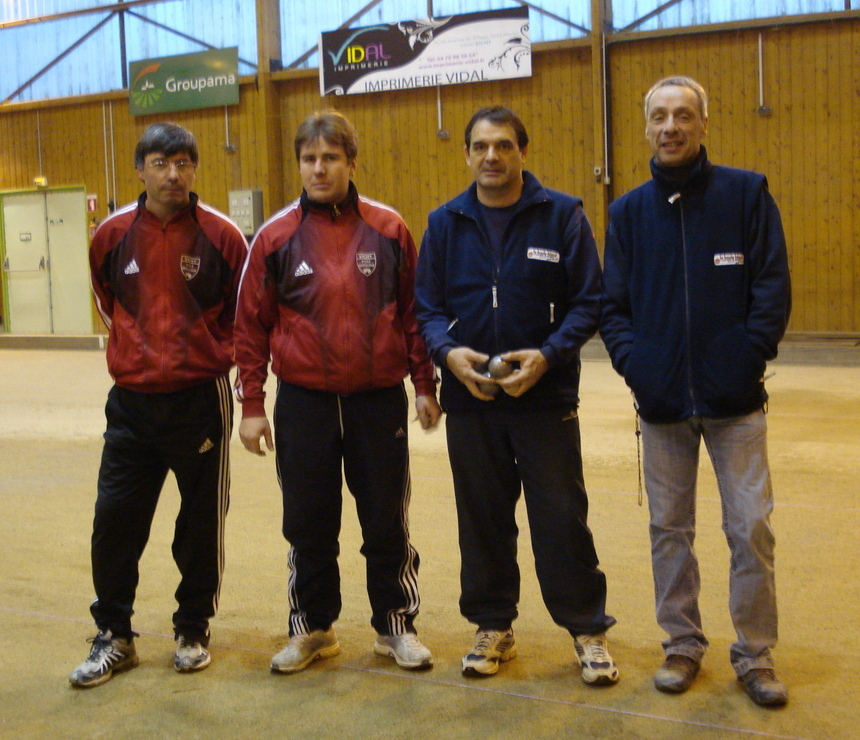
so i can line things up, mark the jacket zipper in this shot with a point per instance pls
(689, 363)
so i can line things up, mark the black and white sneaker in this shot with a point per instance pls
(108, 655)
(190, 655)
(598, 668)
(491, 648)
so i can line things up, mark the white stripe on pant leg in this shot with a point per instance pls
(225, 398)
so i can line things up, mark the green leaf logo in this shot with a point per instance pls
(147, 94)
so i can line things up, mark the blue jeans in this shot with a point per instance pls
(738, 452)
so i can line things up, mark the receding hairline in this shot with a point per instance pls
(684, 82)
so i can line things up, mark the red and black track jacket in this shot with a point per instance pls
(168, 294)
(328, 294)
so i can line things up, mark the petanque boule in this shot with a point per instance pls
(488, 389)
(499, 368)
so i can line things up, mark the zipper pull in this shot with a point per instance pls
(495, 298)
(674, 197)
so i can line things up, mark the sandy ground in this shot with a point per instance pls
(51, 405)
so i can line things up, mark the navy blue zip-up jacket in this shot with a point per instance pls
(697, 292)
(542, 291)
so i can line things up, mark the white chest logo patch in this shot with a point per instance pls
(366, 263)
(190, 266)
(543, 255)
(728, 258)
(303, 269)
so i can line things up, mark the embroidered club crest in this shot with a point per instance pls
(366, 262)
(189, 266)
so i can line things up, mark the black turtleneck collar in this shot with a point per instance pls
(332, 209)
(676, 178)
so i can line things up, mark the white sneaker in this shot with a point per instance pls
(491, 648)
(301, 650)
(190, 655)
(406, 649)
(598, 668)
(108, 655)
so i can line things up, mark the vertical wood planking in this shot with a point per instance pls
(807, 147)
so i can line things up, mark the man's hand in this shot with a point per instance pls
(250, 431)
(462, 361)
(428, 410)
(532, 367)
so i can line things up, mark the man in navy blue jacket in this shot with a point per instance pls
(696, 299)
(510, 268)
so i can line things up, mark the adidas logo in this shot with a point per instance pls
(399, 434)
(131, 268)
(303, 269)
(206, 446)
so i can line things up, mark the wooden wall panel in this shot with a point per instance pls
(807, 147)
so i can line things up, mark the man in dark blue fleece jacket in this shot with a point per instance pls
(509, 267)
(696, 299)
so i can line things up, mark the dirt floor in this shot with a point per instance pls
(51, 406)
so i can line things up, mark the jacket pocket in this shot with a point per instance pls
(732, 374)
(655, 373)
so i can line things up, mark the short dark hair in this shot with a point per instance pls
(500, 116)
(332, 126)
(167, 139)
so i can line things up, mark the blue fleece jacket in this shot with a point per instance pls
(542, 291)
(697, 292)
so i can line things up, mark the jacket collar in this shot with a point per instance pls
(467, 202)
(680, 179)
(190, 208)
(333, 210)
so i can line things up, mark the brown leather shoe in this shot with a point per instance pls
(676, 674)
(764, 688)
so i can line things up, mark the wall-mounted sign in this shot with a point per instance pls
(201, 80)
(472, 47)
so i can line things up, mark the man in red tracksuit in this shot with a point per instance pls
(165, 273)
(327, 294)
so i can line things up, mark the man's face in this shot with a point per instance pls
(495, 158)
(675, 127)
(325, 171)
(168, 181)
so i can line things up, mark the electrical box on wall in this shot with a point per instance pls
(246, 209)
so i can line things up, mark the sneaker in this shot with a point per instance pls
(108, 655)
(764, 688)
(598, 668)
(676, 674)
(301, 650)
(406, 649)
(491, 648)
(190, 655)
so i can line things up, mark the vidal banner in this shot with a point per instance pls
(473, 47)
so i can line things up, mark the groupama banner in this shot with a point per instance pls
(201, 80)
(472, 47)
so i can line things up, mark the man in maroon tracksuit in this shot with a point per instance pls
(328, 295)
(165, 273)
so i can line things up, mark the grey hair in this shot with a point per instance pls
(680, 81)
